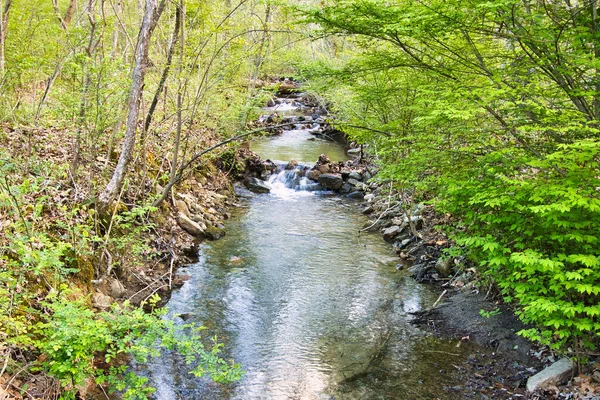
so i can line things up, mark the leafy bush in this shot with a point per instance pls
(536, 233)
(75, 340)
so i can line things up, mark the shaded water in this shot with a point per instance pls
(311, 308)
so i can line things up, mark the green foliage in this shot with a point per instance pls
(491, 313)
(41, 312)
(490, 110)
(76, 339)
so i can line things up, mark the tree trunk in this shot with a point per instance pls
(4, 10)
(175, 160)
(108, 195)
(165, 74)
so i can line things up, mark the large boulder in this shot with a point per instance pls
(256, 185)
(190, 226)
(331, 181)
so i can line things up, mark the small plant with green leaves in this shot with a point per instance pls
(491, 313)
(76, 340)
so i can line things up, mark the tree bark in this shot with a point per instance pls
(4, 11)
(108, 195)
(165, 74)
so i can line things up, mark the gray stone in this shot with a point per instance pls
(346, 188)
(117, 290)
(403, 244)
(189, 226)
(356, 195)
(355, 175)
(391, 232)
(370, 197)
(240, 190)
(368, 210)
(354, 152)
(419, 271)
(102, 301)
(444, 266)
(557, 373)
(366, 176)
(256, 185)
(353, 182)
(331, 181)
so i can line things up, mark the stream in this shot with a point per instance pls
(310, 307)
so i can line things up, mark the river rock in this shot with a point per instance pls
(368, 210)
(256, 185)
(331, 181)
(444, 266)
(291, 165)
(353, 182)
(117, 290)
(370, 197)
(391, 232)
(557, 373)
(403, 244)
(182, 207)
(215, 233)
(356, 195)
(346, 188)
(354, 152)
(324, 168)
(313, 175)
(323, 159)
(355, 175)
(200, 220)
(419, 271)
(189, 226)
(101, 301)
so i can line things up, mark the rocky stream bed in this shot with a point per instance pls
(277, 238)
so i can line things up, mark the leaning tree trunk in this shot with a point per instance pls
(109, 194)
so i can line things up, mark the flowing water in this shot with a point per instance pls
(310, 307)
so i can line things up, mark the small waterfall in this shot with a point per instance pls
(290, 181)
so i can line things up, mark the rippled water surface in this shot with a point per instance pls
(309, 306)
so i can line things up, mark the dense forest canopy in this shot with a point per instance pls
(489, 110)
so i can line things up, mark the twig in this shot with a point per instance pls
(439, 298)
(171, 272)
(441, 352)
(5, 363)
(384, 212)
